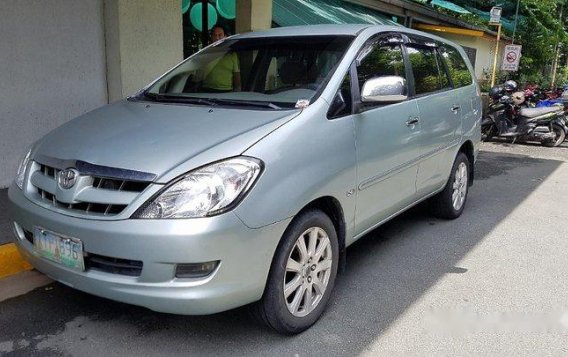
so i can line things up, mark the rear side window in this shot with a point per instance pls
(459, 72)
(429, 73)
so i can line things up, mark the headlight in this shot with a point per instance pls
(21, 175)
(207, 191)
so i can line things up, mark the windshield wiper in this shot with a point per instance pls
(208, 101)
(250, 103)
(179, 98)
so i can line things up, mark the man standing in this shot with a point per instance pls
(217, 33)
(225, 74)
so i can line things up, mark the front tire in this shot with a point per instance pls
(487, 132)
(302, 274)
(450, 203)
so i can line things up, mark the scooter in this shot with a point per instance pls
(504, 118)
(546, 125)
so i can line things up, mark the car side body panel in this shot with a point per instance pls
(308, 158)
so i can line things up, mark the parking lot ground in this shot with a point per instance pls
(493, 282)
(5, 230)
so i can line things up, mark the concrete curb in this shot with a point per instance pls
(11, 262)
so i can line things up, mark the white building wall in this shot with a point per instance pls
(62, 58)
(52, 61)
(144, 39)
(485, 50)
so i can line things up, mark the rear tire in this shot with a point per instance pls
(302, 275)
(450, 203)
(560, 136)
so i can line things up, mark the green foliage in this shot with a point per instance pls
(386, 60)
(458, 69)
(542, 27)
(427, 84)
(562, 76)
(461, 78)
(423, 65)
(539, 34)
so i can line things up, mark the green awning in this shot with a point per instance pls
(508, 24)
(312, 12)
(450, 6)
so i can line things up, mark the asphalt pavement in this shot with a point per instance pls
(5, 228)
(493, 282)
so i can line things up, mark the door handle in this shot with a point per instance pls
(412, 121)
(455, 108)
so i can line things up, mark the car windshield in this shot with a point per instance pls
(270, 72)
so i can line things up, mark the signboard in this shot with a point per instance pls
(511, 58)
(495, 15)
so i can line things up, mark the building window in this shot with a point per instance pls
(471, 54)
(220, 13)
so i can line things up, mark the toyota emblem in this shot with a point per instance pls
(67, 178)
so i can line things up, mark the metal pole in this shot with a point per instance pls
(556, 53)
(516, 21)
(555, 67)
(204, 23)
(495, 56)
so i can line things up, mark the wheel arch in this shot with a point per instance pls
(468, 150)
(268, 309)
(333, 209)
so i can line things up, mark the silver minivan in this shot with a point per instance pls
(190, 199)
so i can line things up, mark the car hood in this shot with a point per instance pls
(159, 138)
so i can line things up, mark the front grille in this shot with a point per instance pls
(113, 265)
(84, 207)
(119, 185)
(46, 191)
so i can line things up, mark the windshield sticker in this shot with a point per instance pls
(302, 103)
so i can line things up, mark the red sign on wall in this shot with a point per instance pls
(511, 58)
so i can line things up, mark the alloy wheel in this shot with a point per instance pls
(459, 186)
(308, 271)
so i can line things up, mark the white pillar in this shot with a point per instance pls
(253, 15)
(143, 39)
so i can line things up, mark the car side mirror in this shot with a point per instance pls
(386, 89)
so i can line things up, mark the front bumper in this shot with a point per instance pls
(245, 256)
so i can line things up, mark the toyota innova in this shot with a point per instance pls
(190, 200)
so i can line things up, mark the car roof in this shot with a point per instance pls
(309, 30)
(338, 30)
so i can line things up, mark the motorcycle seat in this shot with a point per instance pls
(535, 112)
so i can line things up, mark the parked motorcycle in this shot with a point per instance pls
(533, 95)
(507, 116)
(536, 97)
